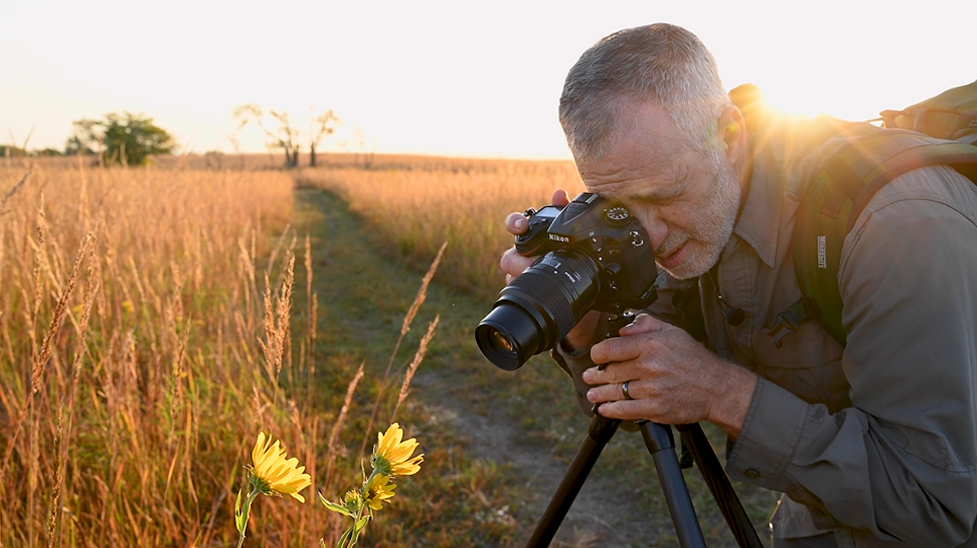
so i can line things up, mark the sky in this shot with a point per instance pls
(454, 78)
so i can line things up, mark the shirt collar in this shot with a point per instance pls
(759, 221)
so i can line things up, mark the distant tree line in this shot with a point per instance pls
(119, 139)
(15, 151)
(129, 139)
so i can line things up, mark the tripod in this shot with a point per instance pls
(658, 439)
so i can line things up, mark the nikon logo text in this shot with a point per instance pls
(558, 238)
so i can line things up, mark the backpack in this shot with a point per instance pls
(941, 130)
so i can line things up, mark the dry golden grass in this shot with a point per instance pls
(147, 333)
(128, 298)
(145, 339)
(418, 206)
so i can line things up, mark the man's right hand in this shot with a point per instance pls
(513, 264)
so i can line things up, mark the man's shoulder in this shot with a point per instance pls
(928, 212)
(935, 187)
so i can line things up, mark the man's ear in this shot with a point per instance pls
(732, 129)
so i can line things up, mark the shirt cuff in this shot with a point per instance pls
(769, 438)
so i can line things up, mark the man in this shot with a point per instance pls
(873, 443)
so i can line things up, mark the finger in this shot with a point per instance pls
(645, 336)
(609, 392)
(623, 410)
(643, 323)
(619, 349)
(516, 223)
(609, 373)
(560, 197)
(513, 264)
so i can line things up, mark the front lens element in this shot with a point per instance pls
(539, 308)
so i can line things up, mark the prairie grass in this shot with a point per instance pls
(147, 334)
(414, 208)
(129, 301)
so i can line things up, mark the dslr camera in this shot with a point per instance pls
(594, 256)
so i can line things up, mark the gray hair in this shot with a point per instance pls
(660, 62)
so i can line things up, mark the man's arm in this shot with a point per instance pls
(901, 461)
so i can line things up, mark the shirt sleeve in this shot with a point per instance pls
(900, 462)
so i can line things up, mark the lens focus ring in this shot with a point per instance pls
(549, 298)
(564, 284)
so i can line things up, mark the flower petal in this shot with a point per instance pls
(282, 475)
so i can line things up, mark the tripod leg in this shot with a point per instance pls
(660, 444)
(719, 485)
(598, 434)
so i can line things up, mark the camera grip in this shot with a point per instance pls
(535, 240)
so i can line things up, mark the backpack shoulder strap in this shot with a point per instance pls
(840, 191)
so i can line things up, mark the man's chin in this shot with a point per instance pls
(693, 267)
(680, 273)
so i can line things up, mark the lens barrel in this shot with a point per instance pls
(539, 307)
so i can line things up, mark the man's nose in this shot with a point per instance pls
(657, 231)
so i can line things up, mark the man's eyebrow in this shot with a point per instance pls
(666, 191)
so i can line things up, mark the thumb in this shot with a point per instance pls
(643, 323)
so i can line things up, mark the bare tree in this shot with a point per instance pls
(285, 137)
(319, 127)
(367, 153)
(236, 145)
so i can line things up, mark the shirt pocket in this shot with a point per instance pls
(808, 364)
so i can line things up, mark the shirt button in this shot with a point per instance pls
(752, 473)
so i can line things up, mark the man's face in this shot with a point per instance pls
(686, 199)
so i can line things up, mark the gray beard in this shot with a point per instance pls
(713, 225)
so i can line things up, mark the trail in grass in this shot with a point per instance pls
(522, 421)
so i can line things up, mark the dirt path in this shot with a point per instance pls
(464, 393)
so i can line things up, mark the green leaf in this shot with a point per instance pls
(347, 538)
(339, 508)
(240, 515)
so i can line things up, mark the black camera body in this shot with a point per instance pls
(595, 256)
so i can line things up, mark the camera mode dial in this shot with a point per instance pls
(617, 215)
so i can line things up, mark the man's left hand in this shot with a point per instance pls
(672, 379)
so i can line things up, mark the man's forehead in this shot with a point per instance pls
(638, 154)
(644, 130)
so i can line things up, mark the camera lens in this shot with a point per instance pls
(538, 308)
(506, 334)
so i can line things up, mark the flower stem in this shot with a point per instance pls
(348, 540)
(245, 514)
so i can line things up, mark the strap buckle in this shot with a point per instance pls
(789, 320)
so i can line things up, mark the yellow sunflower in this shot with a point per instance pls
(273, 474)
(378, 490)
(392, 457)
